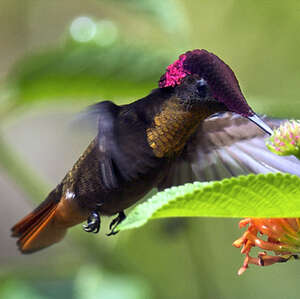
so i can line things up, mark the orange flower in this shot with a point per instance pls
(283, 234)
(283, 238)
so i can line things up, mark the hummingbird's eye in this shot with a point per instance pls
(202, 88)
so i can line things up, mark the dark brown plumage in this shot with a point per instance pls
(189, 129)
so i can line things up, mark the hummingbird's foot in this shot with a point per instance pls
(93, 223)
(115, 223)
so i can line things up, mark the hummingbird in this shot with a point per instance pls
(196, 126)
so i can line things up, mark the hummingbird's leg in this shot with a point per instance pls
(93, 223)
(115, 223)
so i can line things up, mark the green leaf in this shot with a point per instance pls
(263, 195)
(85, 71)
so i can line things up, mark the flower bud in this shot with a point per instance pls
(285, 140)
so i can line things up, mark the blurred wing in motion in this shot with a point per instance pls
(107, 113)
(228, 145)
(120, 129)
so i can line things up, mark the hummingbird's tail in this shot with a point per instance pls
(48, 223)
(38, 229)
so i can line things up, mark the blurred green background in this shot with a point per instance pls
(58, 56)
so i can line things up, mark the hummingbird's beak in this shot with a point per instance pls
(259, 122)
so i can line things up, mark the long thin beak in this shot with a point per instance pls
(261, 124)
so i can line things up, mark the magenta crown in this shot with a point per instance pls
(221, 79)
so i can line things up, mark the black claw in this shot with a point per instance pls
(116, 221)
(93, 223)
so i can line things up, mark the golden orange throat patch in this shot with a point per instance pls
(172, 128)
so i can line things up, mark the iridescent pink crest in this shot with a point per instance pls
(174, 74)
(221, 79)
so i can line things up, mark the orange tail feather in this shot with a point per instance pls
(39, 229)
(48, 223)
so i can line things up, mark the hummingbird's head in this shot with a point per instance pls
(213, 80)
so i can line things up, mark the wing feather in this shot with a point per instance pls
(227, 145)
(121, 159)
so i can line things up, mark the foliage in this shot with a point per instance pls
(269, 195)
(170, 14)
(78, 72)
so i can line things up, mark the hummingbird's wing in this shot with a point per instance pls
(107, 113)
(228, 145)
(120, 157)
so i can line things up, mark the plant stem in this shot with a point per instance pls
(21, 173)
(203, 272)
